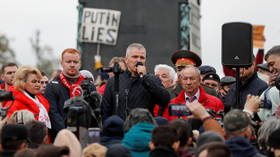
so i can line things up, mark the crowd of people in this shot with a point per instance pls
(185, 111)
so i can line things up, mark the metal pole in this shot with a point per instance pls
(237, 105)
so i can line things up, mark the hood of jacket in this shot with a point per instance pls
(240, 146)
(138, 137)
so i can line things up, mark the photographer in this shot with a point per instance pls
(271, 96)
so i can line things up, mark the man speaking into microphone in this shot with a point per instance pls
(137, 88)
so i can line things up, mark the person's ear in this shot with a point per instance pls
(46, 140)
(125, 60)
(151, 145)
(248, 132)
(176, 145)
(22, 146)
(189, 141)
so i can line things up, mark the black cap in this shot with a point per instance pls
(14, 132)
(204, 69)
(185, 57)
(211, 76)
(227, 80)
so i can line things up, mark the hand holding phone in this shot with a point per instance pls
(198, 110)
(179, 110)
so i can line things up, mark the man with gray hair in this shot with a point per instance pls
(238, 132)
(137, 88)
(190, 80)
(168, 77)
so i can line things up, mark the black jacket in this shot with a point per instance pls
(163, 152)
(56, 93)
(253, 86)
(239, 146)
(134, 92)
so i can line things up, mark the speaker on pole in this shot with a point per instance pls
(237, 44)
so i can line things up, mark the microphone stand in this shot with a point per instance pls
(237, 105)
(116, 71)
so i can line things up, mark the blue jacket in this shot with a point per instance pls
(137, 139)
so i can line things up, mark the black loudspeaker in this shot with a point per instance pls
(237, 44)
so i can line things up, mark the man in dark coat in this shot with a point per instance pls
(66, 85)
(250, 84)
(137, 88)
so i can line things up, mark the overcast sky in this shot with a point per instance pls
(57, 21)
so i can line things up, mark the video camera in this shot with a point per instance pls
(5, 96)
(115, 69)
(84, 110)
(78, 112)
(92, 97)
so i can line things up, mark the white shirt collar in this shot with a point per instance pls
(197, 94)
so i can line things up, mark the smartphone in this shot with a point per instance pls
(179, 110)
(94, 135)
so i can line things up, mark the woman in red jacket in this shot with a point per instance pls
(27, 94)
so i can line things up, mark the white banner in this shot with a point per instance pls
(100, 26)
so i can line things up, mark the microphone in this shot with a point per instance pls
(139, 64)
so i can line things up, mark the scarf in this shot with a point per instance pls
(43, 114)
(75, 89)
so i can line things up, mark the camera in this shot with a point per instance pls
(78, 112)
(84, 110)
(115, 69)
(90, 95)
(5, 96)
(179, 110)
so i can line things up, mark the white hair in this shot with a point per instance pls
(172, 72)
(190, 67)
(135, 45)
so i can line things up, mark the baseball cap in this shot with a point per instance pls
(227, 80)
(235, 120)
(211, 76)
(263, 66)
